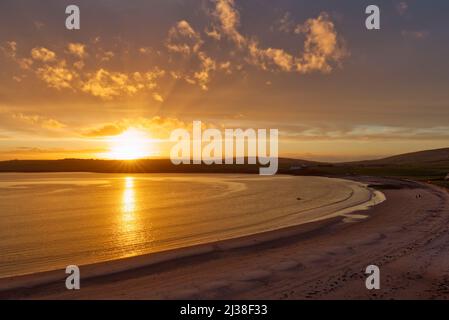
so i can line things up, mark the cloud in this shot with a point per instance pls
(10, 50)
(145, 50)
(13, 121)
(77, 49)
(321, 50)
(285, 23)
(157, 97)
(108, 85)
(183, 39)
(226, 67)
(25, 63)
(43, 54)
(207, 65)
(322, 46)
(57, 77)
(148, 79)
(79, 65)
(107, 130)
(105, 56)
(212, 33)
(229, 19)
(364, 133)
(158, 127)
(101, 83)
(38, 153)
(267, 58)
(422, 34)
(44, 122)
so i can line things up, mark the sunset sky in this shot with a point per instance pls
(335, 90)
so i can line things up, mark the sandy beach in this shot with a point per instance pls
(406, 236)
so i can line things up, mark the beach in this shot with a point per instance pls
(405, 236)
(84, 219)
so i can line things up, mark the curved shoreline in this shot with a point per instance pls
(406, 236)
(106, 268)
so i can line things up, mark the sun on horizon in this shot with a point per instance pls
(132, 144)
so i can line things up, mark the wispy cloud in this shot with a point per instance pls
(183, 39)
(31, 123)
(323, 47)
(420, 34)
(158, 127)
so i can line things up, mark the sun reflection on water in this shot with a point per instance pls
(129, 200)
(134, 232)
(129, 222)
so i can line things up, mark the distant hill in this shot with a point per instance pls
(420, 157)
(138, 166)
(430, 166)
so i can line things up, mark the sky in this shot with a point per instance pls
(334, 90)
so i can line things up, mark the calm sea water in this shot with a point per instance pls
(48, 221)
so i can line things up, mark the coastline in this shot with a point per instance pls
(287, 212)
(127, 265)
(328, 214)
(221, 270)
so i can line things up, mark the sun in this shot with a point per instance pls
(130, 145)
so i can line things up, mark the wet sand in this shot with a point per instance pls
(406, 236)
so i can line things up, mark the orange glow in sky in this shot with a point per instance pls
(130, 145)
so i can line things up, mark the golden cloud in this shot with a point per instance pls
(107, 84)
(77, 49)
(26, 122)
(322, 50)
(58, 77)
(43, 54)
(183, 39)
(10, 50)
(158, 127)
(229, 19)
(322, 45)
